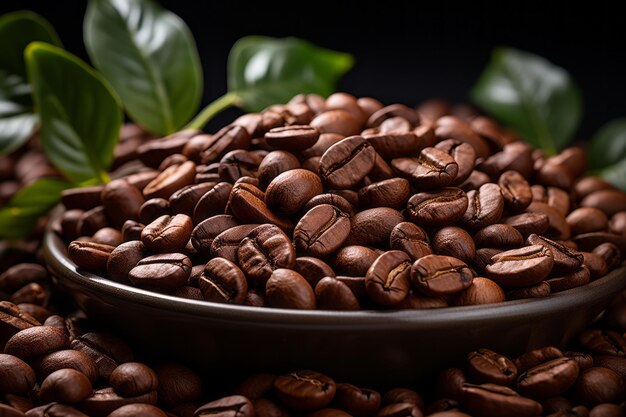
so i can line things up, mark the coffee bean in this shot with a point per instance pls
(453, 127)
(565, 259)
(487, 366)
(16, 376)
(347, 162)
(233, 406)
(133, 378)
(475, 181)
(227, 139)
(536, 357)
(274, 164)
(105, 401)
(607, 410)
(304, 390)
(548, 379)
(394, 110)
(373, 226)
(528, 223)
(449, 414)
(167, 233)
(108, 236)
(464, 155)
(132, 230)
(387, 280)
(66, 386)
(411, 239)
(603, 342)
(21, 274)
(595, 264)
(288, 289)
(177, 384)
(206, 231)
(246, 203)
(391, 145)
(584, 360)
(67, 359)
(433, 168)
(485, 207)
(153, 152)
(521, 267)
(54, 410)
(337, 121)
(89, 255)
(609, 201)
(130, 410)
(265, 249)
(454, 241)
(91, 221)
(313, 269)
(599, 385)
(292, 138)
(490, 400)
(8, 411)
(322, 230)
(291, 190)
(357, 401)
(399, 409)
(498, 236)
(84, 198)
(392, 193)
(106, 351)
(36, 341)
(332, 294)
(226, 244)
(165, 272)
(170, 180)
(124, 258)
(152, 209)
(185, 199)
(256, 386)
(437, 275)
(121, 201)
(482, 291)
(614, 363)
(223, 282)
(516, 156)
(437, 208)
(354, 260)
(515, 190)
(589, 241)
(13, 320)
(610, 253)
(568, 281)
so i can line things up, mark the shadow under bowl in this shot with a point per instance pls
(369, 347)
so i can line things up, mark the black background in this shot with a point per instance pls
(405, 51)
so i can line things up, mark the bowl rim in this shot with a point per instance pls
(524, 310)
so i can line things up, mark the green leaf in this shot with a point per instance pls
(149, 56)
(616, 174)
(531, 95)
(263, 71)
(17, 121)
(19, 216)
(607, 153)
(80, 113)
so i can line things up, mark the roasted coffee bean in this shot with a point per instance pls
(487, 366)
(515, 190)
(239, 163)
(516, 156)
(548, 379)
(313, 269)
(337, 121)
(528, 223)
(537, 357)
(498, 236)
(185, 199)
(174, 159)
(8, 411)
(67, 359)
(177, 384)
(599, 385)
(615, 363)
(347, 162)
(437, 208)
(153, 209)
(394, 110)
(265, 249)
(589, 241)
(483, 258)
(595, 264)
(357, 401)
(332, 294)
(227, 139)
(411, 239)
(584, 360)
(373, 226)
(105, 401)
(388, 279)
(291, 190)
(322, 230)
(35, 341)
(292, 138)
(490, 400)
(108, 236)
(449, 414)
(21, 274)
(153, 152)
(288, 289)
(132, 230)
(609, 201)
(485, 207)
(145, 410)
(403, 395)
(617, 224)
(399, 409)
(133, 379)
(165, 272)
(89, 255)
(456, 128)
(167, 233)
(354, 260)
(247, 205)
(274, 164)
(433, 168)
(603, 342)
(454, 241)
(554, 197)
(304, 390)
(588, 185)
(607, 410)
(226, 244)
(124, 258)
(16, 376)
(142, 178)
(521, 267)
(83, 198)
(213, 202)
(437, 275)
(256, 386)
(69, 224)
(233, 406)
(450, 382)
(534, 291)
(610, 253)
(392, 193)
(475, 181)
(464, 155)
(572, 280)
(565, 259)
(121, 201)
(223, 282)
(12, 320)
(206, 231)
(390, 145)
(482, 291)
(170, 180)
(557, 226)
(107, 351)
(66, 386)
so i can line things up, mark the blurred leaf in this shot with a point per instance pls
(149, 56)
(17, 121)
(531, 95)
(263, 71)
(607, 153)
(80, 114)
(19, 216)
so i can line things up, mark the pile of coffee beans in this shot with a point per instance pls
(57, 364)
(346, 204)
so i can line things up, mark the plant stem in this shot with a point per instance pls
(213, 109)
(104, 178)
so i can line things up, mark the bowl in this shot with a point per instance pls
(374, 347)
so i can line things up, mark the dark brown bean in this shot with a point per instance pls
(21, 274)
(498, 236)
(482, 291)
(89, 255)
(185, 199)
(548, 379)
(595, 264)
(603, 342)
(464, 155)
(322, 230)
(292, 138)
(569, 281)
(485, 207)
(373, 226)
(454, 241)
(337, 121)
(490, 400)
(133, 379)
(437, 208)
(104, 401)
(521, 267)
(354, 260)
(487, 366)
(347, 162)
(170, 180)
(247, 205)
(528, 223)
(225, 140)
(411, 239)
(305, 390)
(390, 145)
(167, 233)
(437, 275)
(107, 351)
(534, 291)
(66, 386)
(124, 258)
(144, 410)
(609, 201)
(121, 201)
(226, 244)
(433, 168)
(388, 279)
(565, 260)
(16, 376)
(359, 402)
(392, 193)
(36, 341)
(213, 202)
(515, 190)
(67, 359)
(291, 190)
(12, 320)
(274, 164)
(177, 384)
(233, 406)
(332, 294)
(599, 385)
(536, 357)
(223, 282)
(288, 289)
(167, 271)
(83, 198)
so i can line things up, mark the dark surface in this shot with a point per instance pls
(405, 51)
(406, 345)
